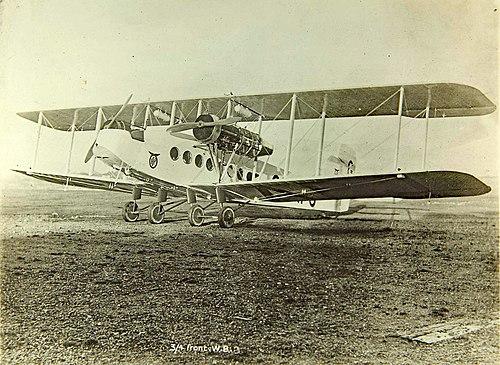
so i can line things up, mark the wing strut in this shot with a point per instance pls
(70, 152)
(98, 125)
(37, 143)
(259, 130)
(427, 111)
(322, 135)
(400, 118)
(172, 113)
(200, 107)
(290, 135)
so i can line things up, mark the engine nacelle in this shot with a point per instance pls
(230, 138)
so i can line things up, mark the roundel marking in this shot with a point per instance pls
(153, 160)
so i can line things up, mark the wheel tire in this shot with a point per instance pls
(226, 217)
(196, 215)
(130, 213)
(156, 213)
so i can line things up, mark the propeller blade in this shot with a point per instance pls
(186, 126)
(182, 127)
(90, 152)
(228, 121)
(184, 136)
(121, 109)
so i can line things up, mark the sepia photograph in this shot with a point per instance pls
(249, 182)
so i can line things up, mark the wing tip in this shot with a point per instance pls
(485, 189)
(24, 172)
(24, 114)
(475, 186)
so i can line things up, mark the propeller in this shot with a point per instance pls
(184, 136)
(121, 109)
(336, 159)
(90, 152)
(187, 126)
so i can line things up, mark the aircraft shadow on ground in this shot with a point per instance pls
(383, 228)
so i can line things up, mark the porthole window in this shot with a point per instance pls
(230, 171)
(198, 160)
(210, 164)
(239, 174)
(276, 177)
(186, 157)
(174, 153)
(249, 176)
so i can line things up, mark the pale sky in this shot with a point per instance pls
(60, 54)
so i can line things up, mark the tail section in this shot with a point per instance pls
(345, 161)
(344, 164)
(341, 164)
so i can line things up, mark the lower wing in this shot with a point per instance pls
(93, 182)
(137, 179)
(411, 185)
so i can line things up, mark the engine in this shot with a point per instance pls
(232, 138)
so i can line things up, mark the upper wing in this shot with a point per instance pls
(413, 185)
(450, 100)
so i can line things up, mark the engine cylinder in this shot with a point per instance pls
(232, 138)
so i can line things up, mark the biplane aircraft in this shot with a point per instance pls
(200, 151)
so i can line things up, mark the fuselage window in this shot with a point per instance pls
(186, 157)
(239, 174)
(250, 175)
(198, 160)
(210, 164)
(230, 171)
(174, 153)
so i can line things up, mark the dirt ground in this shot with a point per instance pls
(79, 285)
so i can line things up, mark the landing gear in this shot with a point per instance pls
(196, 215)
(130, 212)
(156, 213)
(226, 217)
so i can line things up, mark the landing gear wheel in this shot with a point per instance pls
(156, 213)
(196, 215)
(226, 217)
(130, 212)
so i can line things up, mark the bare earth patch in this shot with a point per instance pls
(82, 286)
